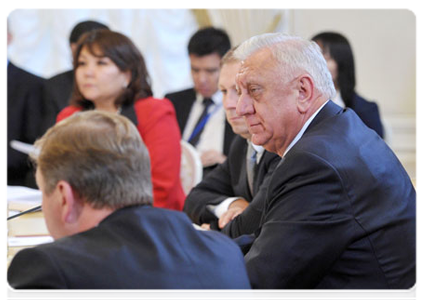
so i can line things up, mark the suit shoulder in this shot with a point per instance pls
(150, 106)
(362, 104)
(18, 73)
(188, 93)
(61, 77)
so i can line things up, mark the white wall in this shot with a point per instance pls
(384, 45)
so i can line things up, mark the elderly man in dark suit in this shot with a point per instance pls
(340, 210)
(232, 197)
(94, 172)
(199, 110)
(24, 119)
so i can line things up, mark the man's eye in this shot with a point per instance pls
(254, 90)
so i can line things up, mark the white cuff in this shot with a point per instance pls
(222, 207)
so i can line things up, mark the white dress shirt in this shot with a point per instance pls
(213, 134)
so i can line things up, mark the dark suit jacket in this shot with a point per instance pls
(340, 213)
(24, 117)
(230, 180)
(134, 248)
(183, 101)
(56, 96)
(368, 113)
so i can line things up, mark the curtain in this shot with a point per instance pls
(242, 24)
(41, 40)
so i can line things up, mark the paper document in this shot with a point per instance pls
(28, 241)
(23, 147)
(21, 198)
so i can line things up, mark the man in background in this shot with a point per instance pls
(199, 110)
(94, 173)
(232, 197)
(24, 119)
(340, 211)
(58, 89)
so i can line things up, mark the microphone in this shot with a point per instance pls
(34, 209)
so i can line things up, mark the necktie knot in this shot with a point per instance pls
(207, 102)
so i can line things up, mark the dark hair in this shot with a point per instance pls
(84, 27)
(122, 51)
(339, 49)
(209, 40)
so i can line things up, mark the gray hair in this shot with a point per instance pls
(101, 155)
(293, 53)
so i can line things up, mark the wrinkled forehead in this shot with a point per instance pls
(258, 64)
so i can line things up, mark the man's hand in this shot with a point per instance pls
(235, 208)
(205, 226)
(212, 157)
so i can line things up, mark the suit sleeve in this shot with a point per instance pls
(249, 220)
(159, 130)
(32, 268)
(212, 190)
(306, 225)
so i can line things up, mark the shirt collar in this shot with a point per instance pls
(258, 149)
(303, 129)
(216, 98)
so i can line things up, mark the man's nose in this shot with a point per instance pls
(202, 77)
(231, 100)
(244, 105)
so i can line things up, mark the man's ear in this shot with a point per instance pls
(70, 206)
(305, 86)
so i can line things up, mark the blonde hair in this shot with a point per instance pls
(229, 57)
(101, 155)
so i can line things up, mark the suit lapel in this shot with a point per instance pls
(183, 107)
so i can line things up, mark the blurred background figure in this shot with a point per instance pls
(199, 110)
(111, 75)
(58, 89)
(24, 117)
(339, 57)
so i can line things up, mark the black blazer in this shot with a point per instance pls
(183, 101)
(24, 118)
(134, 248)
(368, 113)
(56, 96)
(229, 180)
(340, 213)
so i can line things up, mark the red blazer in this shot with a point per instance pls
(159, 130)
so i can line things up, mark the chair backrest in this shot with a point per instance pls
(191, 167)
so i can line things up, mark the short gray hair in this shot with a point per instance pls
(101, 155)
(293, 53)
